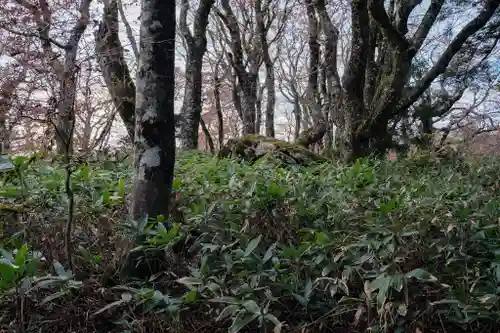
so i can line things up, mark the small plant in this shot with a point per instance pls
(17, 268)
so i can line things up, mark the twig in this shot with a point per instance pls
(67, 186)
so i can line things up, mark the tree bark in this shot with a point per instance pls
(375, 89)
(247, 80)
(128, 29)
(196, 47)
(315, 133)
(114, 69)
(66, 115)
(208, 138)
(270, 88)
(7, 90)
(154, 146)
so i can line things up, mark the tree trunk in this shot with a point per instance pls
(7, 90)
(191, 106)
(196, 46)
(65, 108)
(154, 147)
(128, 29)
(315, 133)
(271, 91)
(298, 118)
(208, 138)
(3, 133)
(65, 111)
(218, 107)
(114, 69)
(247, 80)
(258, 108)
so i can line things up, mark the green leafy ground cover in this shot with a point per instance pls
(378, 246)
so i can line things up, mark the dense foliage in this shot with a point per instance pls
(405, 246)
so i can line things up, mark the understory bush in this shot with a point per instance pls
(379, 246)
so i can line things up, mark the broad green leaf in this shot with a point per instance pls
(252, 245)
(421, 274)
(226, 299)
(109, 306)
(61, 272)
(7, 256)
(228, 311)
(269, 253)
(52, 297)
(241, 322)
(21, 255)
(251, 306)
(121, 188)
(189, 281)
(191, 296)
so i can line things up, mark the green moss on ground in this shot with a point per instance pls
(254, 147)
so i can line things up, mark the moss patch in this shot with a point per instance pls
(254, 147)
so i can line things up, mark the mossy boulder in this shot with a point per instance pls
(253, 147)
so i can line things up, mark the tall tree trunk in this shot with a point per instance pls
(297, 112)
(65, 112)
(258, 108)
(154, 146)
(218, 107)
(271, 91)
(7, 90)
(128, 29)
(196, 46)
(271, 99)
(114, 69)
(65, 109)
(3, 133)
(247, 80)
(315, 133)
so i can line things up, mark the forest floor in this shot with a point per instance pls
(378, 246)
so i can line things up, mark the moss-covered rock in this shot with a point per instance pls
(253, 147)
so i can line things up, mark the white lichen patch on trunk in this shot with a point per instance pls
(154, 110)
(150, 158)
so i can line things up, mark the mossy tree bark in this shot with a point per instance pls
(318, 130)
(154, 146)
(109, 51)
(375, 88)
(246, 78)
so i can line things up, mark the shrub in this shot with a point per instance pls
(385, 246)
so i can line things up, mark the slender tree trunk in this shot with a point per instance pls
(258, 108)
(115, 71)
(247, 80)
(67, 93)
(128, 29)
(191, 107)
(7, 90)
(270, 88)
(271, 99)
(218, 108)
(298, 118)
(208, 138)
(3, 133)
(196, 47)
(65, 115)
(235, 94)
(154, 147)
(315, 133)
